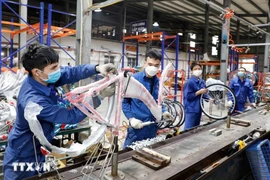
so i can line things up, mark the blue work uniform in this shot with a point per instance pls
(20, 141)
(135, 108)
(193, 111)
(242, 90)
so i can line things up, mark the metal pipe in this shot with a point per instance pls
(261, 25)
(41, 23)
(123, 54)
(214, 6)
(60, 12)
(224, 46)
(176, 66)
(19, 49)
(254, 44)
(115, 157)
(162, 50)
(63, 49)
(49, 25)
(228, 124)
(64, 27)
(206, 29)
(137, 52)
(1, 34)
(11, 45)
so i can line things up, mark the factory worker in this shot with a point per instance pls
(193, 89)
(242, 88)
(45, 74)
(135, 110)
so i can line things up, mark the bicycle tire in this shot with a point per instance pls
(220, 103)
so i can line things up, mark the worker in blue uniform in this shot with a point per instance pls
(243, 89)
(193, 88)
(135, 110)
(45, 74)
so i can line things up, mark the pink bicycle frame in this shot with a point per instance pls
(128, 87)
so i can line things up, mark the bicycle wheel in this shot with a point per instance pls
(215, 104)
(178, 114)
(176, 109)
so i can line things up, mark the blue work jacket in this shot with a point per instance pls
(20, 142)
(135, 108)
(242, 90)
(191, 101)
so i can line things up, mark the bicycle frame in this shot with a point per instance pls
(128, 87)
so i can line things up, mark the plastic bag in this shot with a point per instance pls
(30, 113)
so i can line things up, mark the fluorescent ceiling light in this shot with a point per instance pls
(98, 10)
(156, 24)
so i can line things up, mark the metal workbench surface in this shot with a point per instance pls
(186, 150)
(198, 145)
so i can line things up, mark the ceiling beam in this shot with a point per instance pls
(244, 10)
(256, 6)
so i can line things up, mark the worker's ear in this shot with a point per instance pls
(36, 72)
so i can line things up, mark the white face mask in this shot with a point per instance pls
(151, 70)
(197, 73)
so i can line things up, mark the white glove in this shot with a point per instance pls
(167, 116)
(106, 69)
(230, 103)
(108, 91)
(253, 104)
(135, 123)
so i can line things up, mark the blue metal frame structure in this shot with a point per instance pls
(50, 35)
(163, 52)
(40, 34)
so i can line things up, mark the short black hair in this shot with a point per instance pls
(193, 64)
(153, 54)
(243, 68)
(38, 56)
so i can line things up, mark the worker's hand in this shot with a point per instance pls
(254, 105)
(203, 91)
(108, 91)
(135, 123)
(167, 116)
(106, 69)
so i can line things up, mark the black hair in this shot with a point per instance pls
(193, 64)
(243, 68)
(38, 56)
(153, 54)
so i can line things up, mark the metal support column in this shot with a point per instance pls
(123, 54)
(41, 23)
(83, 33)
(267, 40)
(11, 45)
(1, 35)
(150, 21)
(206, 29)
(237, 31)
(224, 45)
(162, 50)
(22, 36)
(49, 25)
(176, 66)
(137, 52)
